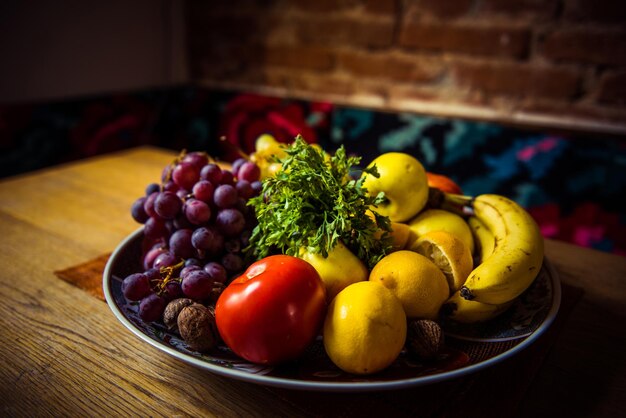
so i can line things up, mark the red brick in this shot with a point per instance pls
(417, 9)
(346, 31)
(304, 57)
(198, 8)
(501, 41)
(220, 59)
(304, 81)
(280, 31)
(400, 68)
(517, 80)
(414, 93)
(384, 7)
(538, 10)
(602, 11)
(586, 45)
(613, 89)
(249, 77)
(324, 6)
(224, 71)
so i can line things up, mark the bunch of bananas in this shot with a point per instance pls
(511, 253)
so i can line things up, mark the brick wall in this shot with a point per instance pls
(540, 62)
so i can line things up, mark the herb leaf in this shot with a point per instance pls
(313, 203)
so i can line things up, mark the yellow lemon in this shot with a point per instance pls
(364, 329)
(448, 253)
(340, 269)
(399, 234)
(265, 147)
(415, 280)
(441, 220)
(403, 180)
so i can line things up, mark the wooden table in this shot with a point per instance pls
(63, 353)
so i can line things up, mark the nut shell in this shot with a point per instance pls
(196, 325)
(172, 310)
(424, 338)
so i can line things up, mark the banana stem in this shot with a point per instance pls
(461, 204)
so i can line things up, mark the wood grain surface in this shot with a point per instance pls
(65, 354)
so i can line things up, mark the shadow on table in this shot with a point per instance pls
(579, 388)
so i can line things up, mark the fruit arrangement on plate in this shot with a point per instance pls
(292, 243)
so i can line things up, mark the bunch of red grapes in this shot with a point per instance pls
(196, 225)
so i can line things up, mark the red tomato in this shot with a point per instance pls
(443, 183)
(273, 311)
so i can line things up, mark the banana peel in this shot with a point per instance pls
(466, 311)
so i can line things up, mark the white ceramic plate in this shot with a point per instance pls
(530, 317)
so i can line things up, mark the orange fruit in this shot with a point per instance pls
(443, 183)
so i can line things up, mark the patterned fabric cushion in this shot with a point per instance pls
(571, 184)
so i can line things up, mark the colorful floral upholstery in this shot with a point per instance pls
(571, 184)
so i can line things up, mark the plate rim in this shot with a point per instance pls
(287, 383)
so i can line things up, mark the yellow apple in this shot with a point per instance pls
(404, 182)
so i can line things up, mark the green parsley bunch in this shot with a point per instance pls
(312, 203)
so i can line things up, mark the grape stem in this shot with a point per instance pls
(178, 159)
(234, 147)
(169, 277)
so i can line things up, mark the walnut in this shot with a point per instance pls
(196, 325)
(424, 338)
(172, 310)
